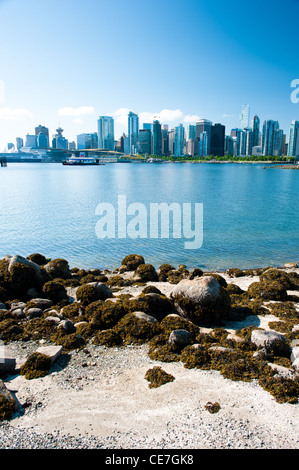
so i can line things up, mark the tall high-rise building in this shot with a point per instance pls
(204, 126)
(236, 136)
(268, 138)
(244, 116)
(157, 138)
(179, 140)
(217, 142)
(42, 140)
(31, 141)
(278, 143)
(165, 140)
(229, 145)
(190, 132)
(204, 140)
(249, 141)
(42, 129)
(106, 133)
(145, 142)
(171, 141)
(256, 131)
(293, 146)
(133, 132)
(19, 142)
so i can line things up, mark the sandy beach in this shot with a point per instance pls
(101, 399)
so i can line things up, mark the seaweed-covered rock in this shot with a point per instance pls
(68, 341)
(7, 407)
(145, 273)
(89, 293)
(235, 272)
(151, 290)
(201, 300)
(157, 377)
(268, 290)
(153, 304)
(131, 262)
(276, 275)
(163, 271)
(176, 322)
(108, 338)
(136, 330)
(37, 365)
(195, 273)
(55, 291)
(22, 277)
(58, 268)
(104, 315)
(37, 258)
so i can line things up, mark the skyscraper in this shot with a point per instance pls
(204, 126)
(145, 142)
(217, 140)
(106, 133)
(256, 131)
(157, 138)
(165, 140)
(133, 132)
(42, 129)
(179, 138)
(268, 138)
(42, 140)
(244, 116)
(293, 147)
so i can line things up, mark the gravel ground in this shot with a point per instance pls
(101, 400)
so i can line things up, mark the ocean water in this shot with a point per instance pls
(250, 214)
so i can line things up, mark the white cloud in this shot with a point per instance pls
(121, 115)
(191, 118)
(75, 112)
(227, 115)
(78, 121)
(15, 114)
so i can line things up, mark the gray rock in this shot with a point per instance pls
(18, 313)
(17, 305)
(179, 338)
(53, 352)
(7, 363)
(53, 319)
(34, 312)
(203, 291)
(269, 340)
(42, 303)
(291, 265)
(67, 325)
(295, 353)
(19, 259)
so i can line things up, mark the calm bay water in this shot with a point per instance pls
(250, 215)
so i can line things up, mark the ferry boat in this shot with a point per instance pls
(82, 160)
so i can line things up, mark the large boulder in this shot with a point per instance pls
(58, 268)
(201, 300)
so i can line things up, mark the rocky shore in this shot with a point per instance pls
(150, 358)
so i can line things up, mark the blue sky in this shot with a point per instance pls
(67, 62)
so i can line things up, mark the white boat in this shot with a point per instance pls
(82, 161)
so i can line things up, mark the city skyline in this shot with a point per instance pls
(203, 139)
(200, 60)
